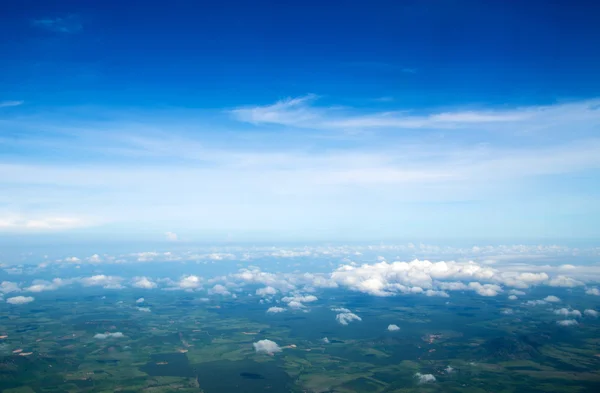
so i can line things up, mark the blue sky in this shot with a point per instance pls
(305, 121)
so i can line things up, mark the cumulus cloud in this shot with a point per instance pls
(345, 318)
(108, 282)
(564, 281)
(266, 346)
(94, 258)
(275, 310)
(590, 313)
(300, 298)
(72, 260)
(144, 309)
(325, 340)
(431, 292)
(552, 299)
(507, 311)
(485, 289)
(189, 282)
(452, 286)
(419, 276)
(593, 291)
(143, 282)
(219, 289)
(20, 300)
(512, 297)
(565, 312)
(297, 301)
(393, 328)
(425, 378)
(140, 300)
(42, 285)
(567, 322)
(8, 287)
(104, 336)
(266, 291)
(449, 370)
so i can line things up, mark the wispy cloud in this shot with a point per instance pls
(152, 170)
(67, 24)
(301, 112)
(14, 222)
(4, 104)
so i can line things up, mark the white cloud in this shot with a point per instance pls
(266, 346)
(449, 370)
(431, 292)
(296, 305)
(172, 237)
(143, 282)
(512, 297)
(42, 285)
(485, 289)
(593, 291)
(325, 340)
(266, 291)
(95, 258)
(422, 276)
(104, 336)
(552, 299)
(393, 328)
(300, 298)
(275, 310)
(108, 282)
(452, 286)
(140, 300)
(146, 256)
(507, 311)
(20, 300)
(516, 292)
(219, 289)
(144, 309)
(72, 260)
(291, 111)
(298, 112)
(346, 317)
(6, 104)
(425, 378)
(564, 281)
(567, 322)
(189, 282)
(590, 313)
(8, 287)
(565, 312)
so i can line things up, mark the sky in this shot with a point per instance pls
(299, 121)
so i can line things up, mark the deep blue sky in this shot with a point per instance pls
(222, 53)
(323, 120)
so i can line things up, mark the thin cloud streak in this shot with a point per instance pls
(299, 112)
(7, 104)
